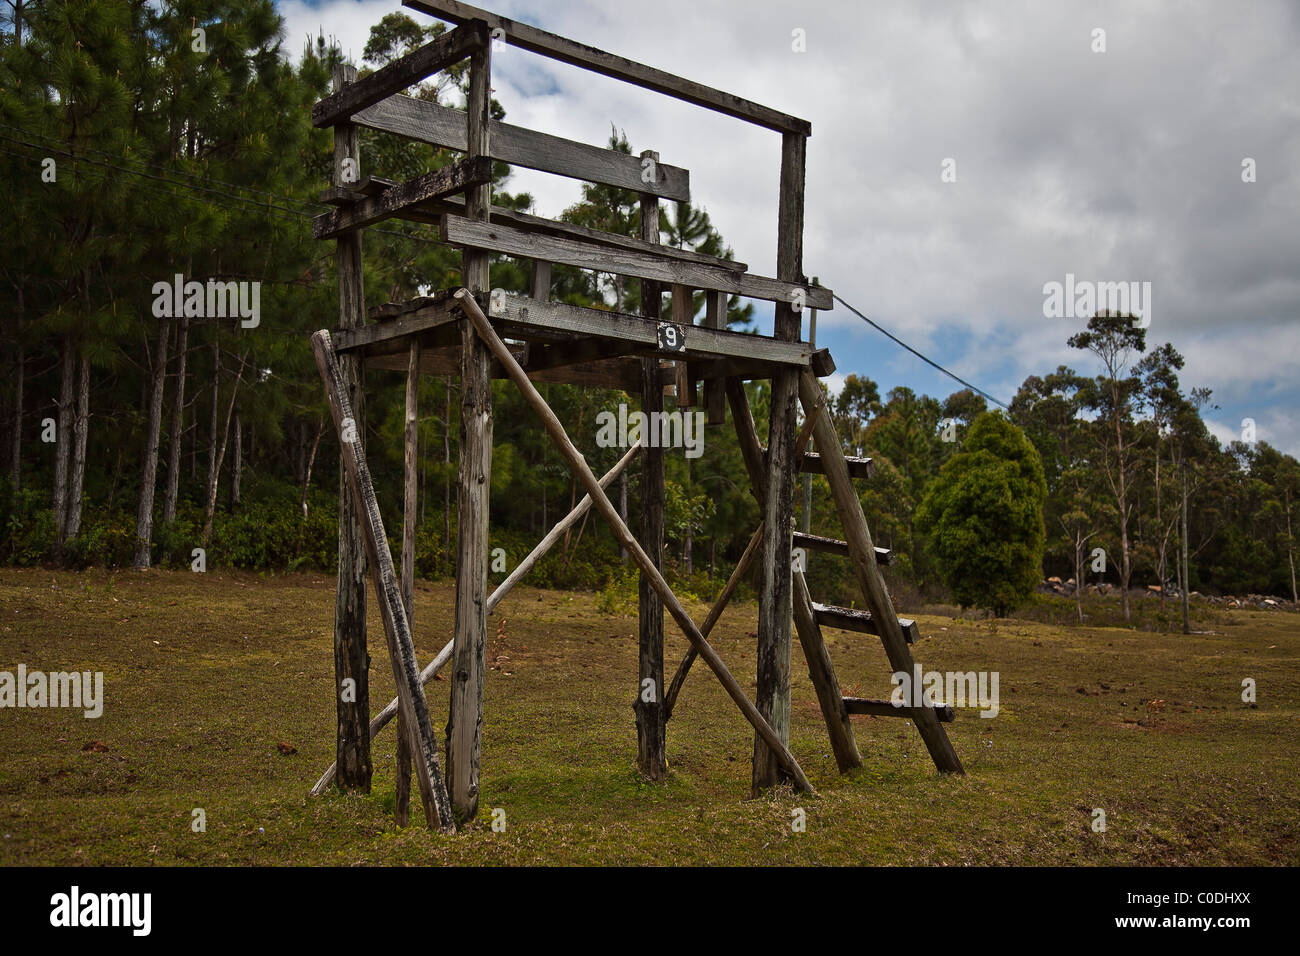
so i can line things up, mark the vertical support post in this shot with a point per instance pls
(651, 759)
(715, 395)
(683, 315)
(469, 656)
(775, 601)
(410, 502)
(351, 659)
(805, 516)
(539, 283)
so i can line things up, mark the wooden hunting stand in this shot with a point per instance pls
(482, 334)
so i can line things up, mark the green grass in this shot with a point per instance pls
(206, 674)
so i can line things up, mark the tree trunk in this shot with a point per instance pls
(210, 512)
(622, 511)
(1187, 579)
(149, 468)
(1125, 567)
(178, 423)
(81, 424)
(311, 460)
(63, 446)
(216, 409)
(237, 465)
(1290, 547)
(16, 450)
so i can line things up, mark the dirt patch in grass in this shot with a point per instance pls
(219, 697)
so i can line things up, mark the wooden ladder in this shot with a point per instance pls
(897, 634)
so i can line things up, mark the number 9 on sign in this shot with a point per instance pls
(672, 338)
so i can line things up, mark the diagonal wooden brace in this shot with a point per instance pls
(414, 710)
(607, 510)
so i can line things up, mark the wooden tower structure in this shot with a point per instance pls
(481, 334)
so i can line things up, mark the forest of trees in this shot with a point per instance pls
(144, 141)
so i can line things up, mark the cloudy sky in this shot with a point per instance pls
(1122, 165)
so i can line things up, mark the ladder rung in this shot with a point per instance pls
(847, 619)
(883, 708)
(815, 542)
(858, 467)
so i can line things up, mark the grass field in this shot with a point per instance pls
(207, 674)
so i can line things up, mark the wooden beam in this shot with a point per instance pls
(544, 357)
(715, 390)
(445, 127)
(651, 715)
(401, 652)
(683, 317)
(410, 506)
(582, 472)
(821, 671)
(440, 659)
(584, 254)
(351, 658)
(883, 708)
(435, 184)
(447, 50)
(815, 542)
(539, 280)
(526, 318)
(858, 467)
(863, 558)
(465, 718)
(864, 622)
(598, 61)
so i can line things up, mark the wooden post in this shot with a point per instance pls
(351, 660)
(381, 719)
(684, 315)
(862, 555)
(715, 396)
(539, 280)
(466, 713)
(401, 652)
(410, 502)
(578, 465)
(775, 604)
(651, 747)
(805, 515)
(822, 673)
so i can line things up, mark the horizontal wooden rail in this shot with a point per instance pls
(608, 64)
(523, 317)
(447, 50)
(883, 708)
(460, 231)
(847, 619)
(519, 146)
(431, 185)
(811, 464)
(815, 542)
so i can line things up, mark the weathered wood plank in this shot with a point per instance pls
(775, 587)
(863, 558)
(539, 280)
(459, 231)
(684, 316)
(410, 505)
(465, 720)
(822, 673)
(864, 622)
(945, 713)
(412, 705)
(447, 50)
(440, 659)
(815, 542)
(442, 126)
(582, 472)
(431, 185)
(858, 467)
(715, 390)
(351, 658)
(651, 715)
(607, 64)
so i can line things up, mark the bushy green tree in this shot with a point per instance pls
(984, 517)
